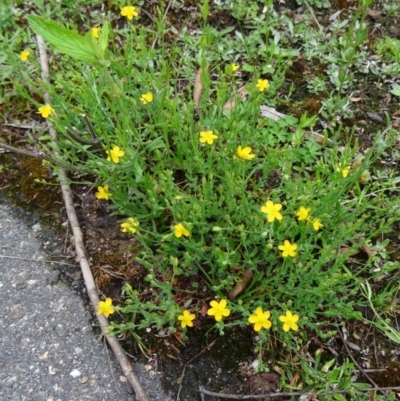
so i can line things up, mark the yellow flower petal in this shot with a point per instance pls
(45, 111)
(262, 84)
(24, 55)
(180, 230)
(245, 153)
(129, 12)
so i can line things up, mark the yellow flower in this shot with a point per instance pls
(95, 32)
(260, 319)
(129, 12)
(146, 98)
(262, 84)
(130, 225)
(288, 249)
(245, 153)
(106, 308)
(207, 136)
(179, 230)
(103, 193)
(114, 154)
(317, 224)
(45, 110)
(272, 210)
(234, 67)
(289, 321)
(218, 309)
(186, 319)
(344, 170)
(24, 55)
(303, 213)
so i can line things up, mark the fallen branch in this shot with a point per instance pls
(80, 248)
(358, 365)
(294, 394)
(41, 155)
(180, 379)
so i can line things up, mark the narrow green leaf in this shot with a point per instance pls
(103, 39)
(83, 48)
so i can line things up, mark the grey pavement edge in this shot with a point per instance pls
(48, 350)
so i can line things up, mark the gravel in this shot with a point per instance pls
(48, 349)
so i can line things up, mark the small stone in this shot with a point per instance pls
(44, 356)
(78, 350)
(84, 379)
(36, 228)
(75, 373)
(123, 379)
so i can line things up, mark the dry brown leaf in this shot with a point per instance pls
(198, 88)
(245, 279)
(230, 104)
(374, 14)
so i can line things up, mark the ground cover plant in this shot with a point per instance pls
(239, 219)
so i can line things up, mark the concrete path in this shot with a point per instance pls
(48, 349)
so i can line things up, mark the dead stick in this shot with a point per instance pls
(80, 248)
(358, 366)
(188, 363)
(294, 394)
(41, 155)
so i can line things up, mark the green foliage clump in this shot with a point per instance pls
(389, 49)
(262, 215)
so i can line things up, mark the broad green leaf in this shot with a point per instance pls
(83, 48)
(395, 90)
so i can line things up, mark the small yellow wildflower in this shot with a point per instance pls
(130, 225)
(186, 319)
(207, 136)
(245, 153)
(234, 67)
(114, 154)
(272, 210)
(105, 307)
(95, 32)
(218, 309)
(303, 213)
(146, 98)
(45, 110)
(180, 230)
(288, 249)
(129, 12)
(262, 84)
(24, 55)
(344, 170)
(260, 319)
(103, 193)
(289, 321)
(317, 224)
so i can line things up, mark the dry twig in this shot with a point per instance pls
(80, 248)
(180, 379)
(359, 367)
(294, 394)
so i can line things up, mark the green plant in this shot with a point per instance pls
(261, 216)
(389, 49)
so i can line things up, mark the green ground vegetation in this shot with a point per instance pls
(285, 225)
